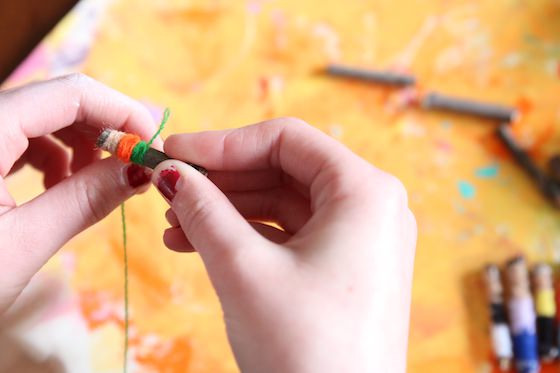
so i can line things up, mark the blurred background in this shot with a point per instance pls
(222, 64)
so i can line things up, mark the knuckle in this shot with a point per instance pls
(290, 122)
(385, 190)
(284, 124)
(282, 130)
(396, 185)
(395, 191)
(339, 186)
(74, 79)
(77, 86)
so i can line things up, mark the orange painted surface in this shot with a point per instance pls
(221, 64)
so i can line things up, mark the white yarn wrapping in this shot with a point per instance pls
(501, 341)
(112, 141)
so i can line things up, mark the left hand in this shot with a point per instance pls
(80, 192)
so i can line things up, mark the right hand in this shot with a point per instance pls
(330, 291)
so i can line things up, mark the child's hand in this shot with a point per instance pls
(73, 109)
(330, 291)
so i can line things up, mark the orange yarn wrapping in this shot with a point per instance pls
(127, 143)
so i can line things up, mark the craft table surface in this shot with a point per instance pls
(224, 64)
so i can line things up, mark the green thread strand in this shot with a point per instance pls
(139, 151)
(125, 259)
(137, 156)
(166, 113)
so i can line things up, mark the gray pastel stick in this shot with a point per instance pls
(376, 76)
(500, 113)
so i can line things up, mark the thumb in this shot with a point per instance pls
(210, 222)
(34, 231)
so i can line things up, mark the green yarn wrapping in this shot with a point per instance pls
(139, 151)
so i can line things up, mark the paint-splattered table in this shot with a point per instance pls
(221, 64)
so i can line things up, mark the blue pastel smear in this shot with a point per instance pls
(466, 189)
(487, 172)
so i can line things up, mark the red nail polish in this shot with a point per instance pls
(167, 182)
(137, 175)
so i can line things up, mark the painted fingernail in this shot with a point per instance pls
(167, 182)
(137, 175)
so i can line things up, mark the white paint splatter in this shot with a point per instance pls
(330, 39)
(408, 54)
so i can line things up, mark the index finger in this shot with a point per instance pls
(303, 152)
(46, 107)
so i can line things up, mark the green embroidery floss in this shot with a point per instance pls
(126, 316)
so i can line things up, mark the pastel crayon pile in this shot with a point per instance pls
(410, 94)
(524, 325)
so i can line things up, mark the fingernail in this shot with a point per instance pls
(167, 182)
(137, 175)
